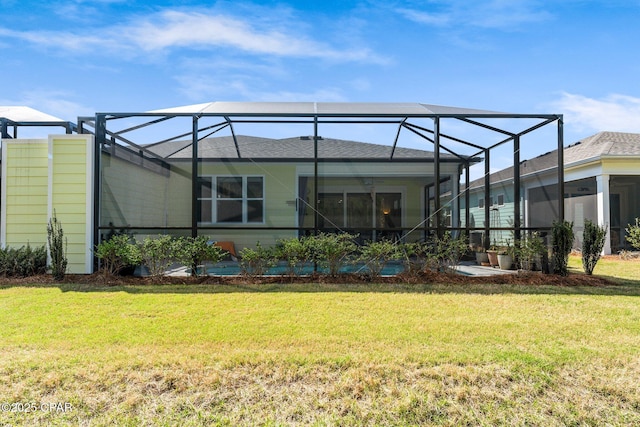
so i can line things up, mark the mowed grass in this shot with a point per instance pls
(321, 355)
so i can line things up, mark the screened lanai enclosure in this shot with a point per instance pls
(259, 172)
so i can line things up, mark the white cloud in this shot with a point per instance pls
(495, 14)
(168, 30)
(615, 112)
(437, 19)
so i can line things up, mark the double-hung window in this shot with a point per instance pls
(231, 199)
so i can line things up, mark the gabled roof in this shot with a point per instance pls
(592, 148)
(252, 147)
(352, 109)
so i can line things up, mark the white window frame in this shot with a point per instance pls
(498, 197)
(245, 199)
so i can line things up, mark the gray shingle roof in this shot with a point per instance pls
(602, 144)
(289, 148)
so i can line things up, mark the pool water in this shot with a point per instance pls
(306, 269)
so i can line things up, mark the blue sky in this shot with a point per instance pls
(578, 58)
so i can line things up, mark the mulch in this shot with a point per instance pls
(428, 277)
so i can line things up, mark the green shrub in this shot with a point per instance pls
(294, 252)
(376, 255)
(194, 251)
(117, 253)
(593, 239)
(256, 262)
(529, 250)
(23, 262)
(561, 242)
(633, 234)
(57, 248)
(448, 251)
(158, 254)
(332, 250)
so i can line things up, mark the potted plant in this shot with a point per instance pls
(530, 252)
(505, 257)
(481, 256)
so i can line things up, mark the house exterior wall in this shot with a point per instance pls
(70, 196)
(132, 194)
(25, 186)
(280, 185)
(40, 177)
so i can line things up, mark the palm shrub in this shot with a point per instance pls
(593, 238)
(256, 262)
(117, 253)
(561, 243)
(633, 234)
(158, 254)
(57, 248)
(193, 251)
(376, 255)
(332, 250)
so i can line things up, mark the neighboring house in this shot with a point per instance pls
(601, 183)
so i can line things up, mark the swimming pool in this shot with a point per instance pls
(229, 268)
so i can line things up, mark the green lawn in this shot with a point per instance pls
(317, 355)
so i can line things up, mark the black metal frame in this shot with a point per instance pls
(404, 121)
(6, 123)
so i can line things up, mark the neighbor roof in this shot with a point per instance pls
(351, 109)
(289, 148)
(600, 145)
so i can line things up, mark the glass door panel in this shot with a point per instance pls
(360, 214)
(331, 210)
(388, 215)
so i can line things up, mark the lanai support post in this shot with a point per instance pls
(101, 132)
(436, 169)
(560, 168)
(516, 189)
(316, 217)
(467, 200)
(487, 192)
(194, 178)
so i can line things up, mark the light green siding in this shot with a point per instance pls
(40, 177)
(70, 197)
(279, 202)
(133, 195)
(25, 188)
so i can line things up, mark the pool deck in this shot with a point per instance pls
(470, 268)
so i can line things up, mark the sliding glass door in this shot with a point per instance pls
(372, 215)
